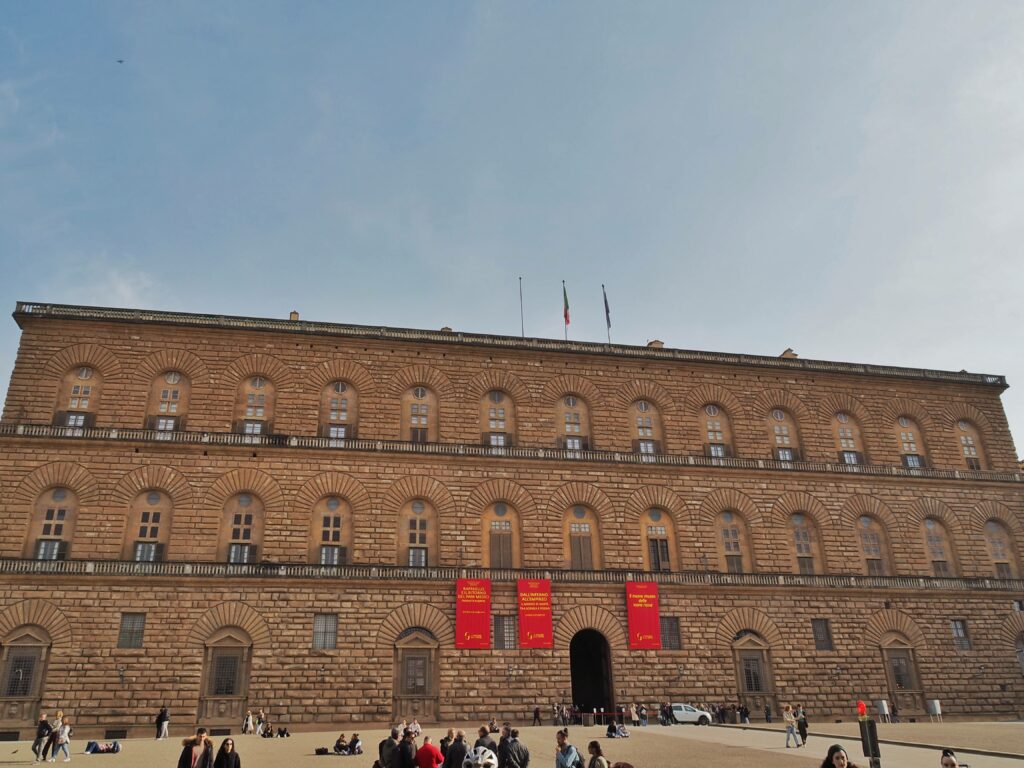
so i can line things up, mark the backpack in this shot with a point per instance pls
(322, 751)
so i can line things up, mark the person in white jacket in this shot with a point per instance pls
(63, 740)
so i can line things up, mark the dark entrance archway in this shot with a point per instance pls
(590, 664)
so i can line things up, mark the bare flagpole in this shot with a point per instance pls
(522, 322)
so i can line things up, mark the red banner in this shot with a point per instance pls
(643, 614)
(473, 613)
(535, 614)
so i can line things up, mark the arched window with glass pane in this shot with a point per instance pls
(874, 546)
(418, 534)
(938, 547)
(254, 407)
(339, 411)
(805, 543)
(582, 539)
(241, 529)
(168, 402)
(501, 542)
(733, 544)
(848, 440)
(658, 534)
(573, 421)
(784, 435)
(717, 430)
(497, 419)
(971, 450)
(79, 398)
(1001, 551)
(53, 525)
(420, 418)
(149, 527)
(645, 425)
(911, 443)
(331, 540)
(1020, 652)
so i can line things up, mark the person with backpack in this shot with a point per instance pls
(43, 730)
(566, 755)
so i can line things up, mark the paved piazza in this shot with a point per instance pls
(652, 747)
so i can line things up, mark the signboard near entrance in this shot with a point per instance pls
(644, 615)
(535, 614)
(473, 613)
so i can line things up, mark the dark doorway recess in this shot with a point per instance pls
(590, 664)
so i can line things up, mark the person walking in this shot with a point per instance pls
(43, 729)
(566, 755)
(51, 741)
(247, 725)
(801, 723)
(227, 757)
(790, 720)
(163, 722)
(63, 741)
(536, 716)
(196, 752)
(597, 758)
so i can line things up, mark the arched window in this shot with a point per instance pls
(900, 659)
(168, 402)
(573, 420)
(874, 546)
(849, 443)
(938, 547)
(1001, 551)
(339, 411)
(582, 539)
(418, 534)
(714, 424)
(227, 659)
(734, 545)
(53, 525)
(501, 548)
(149, 527)
(497, 419)
(331, 527)
(971, 448)
(242, 529)
(1020, 652)
(911, 443)
(24, 653)
(784, 435)
(756, 681)
(254, 407)
(419, 416)
(645, 424)
(658, 533)
(79, 398)
(806, 544)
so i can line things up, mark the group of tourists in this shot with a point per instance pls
(52, 737)
(836, 757)
(197, 752)
(260, 725)
(796, 723)
(402, 750)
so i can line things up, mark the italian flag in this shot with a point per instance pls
(565, 304)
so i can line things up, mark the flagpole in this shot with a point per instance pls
(522, 322)
(607, 315)
(565, 324)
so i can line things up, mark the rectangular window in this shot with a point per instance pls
(781, 434)
(573, 444)
(646, 447)
(752, 676)
(501, 544)
(506, 633)
(670, 639)
(242, 553)
(784, 454)
(582, 552)
(51, 549)
(325, 631)
(1018, 605)
(912, 461)
(806, 565)
(497, 439)
(253, 428)
(332, 554)
(849, 457)
(146, 552)
(1003, 571)
(716, 450)
(734, 563)
(715, 434)
(822, 635)
(337, 431)
(961, 640)
(496, 418)
(225, 675)
(76, 420)
(414, 673)
(418, 557)
(875, 567)
(973, 463)
(657, 548)
(21, 667)
(133, 626)
(941, 570)
(417, 435)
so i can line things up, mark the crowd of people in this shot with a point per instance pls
(402, 748)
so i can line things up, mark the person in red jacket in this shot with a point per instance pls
(428, 756)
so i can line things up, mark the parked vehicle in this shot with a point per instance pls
(684, 713)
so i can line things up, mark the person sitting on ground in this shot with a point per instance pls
(428, 756)
(492, 727)
(613, 730)
(837, 758)
(485, 740)
(98, 748)
(268, 730)
(355, 747)
(341, 745)
(621, 732)
(414, 726)
(282, 732)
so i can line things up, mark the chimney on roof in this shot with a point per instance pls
(655, 344)
(446, 329)
(293, 315)
(789, 354)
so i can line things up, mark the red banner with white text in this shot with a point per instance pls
(473, 613)
(535, 614)
(644, 615)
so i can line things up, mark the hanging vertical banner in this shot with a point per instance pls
(535, 614)
(644, 616)
(473, 613)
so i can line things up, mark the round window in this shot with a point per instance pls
(842, 417)
(579, 512)
(418, 507)
(496, 396)
(500, 509)
(340, 387)
(904, 421)
(964, 426)
(865, 521)
(244, 500)
(798, 519)
(711, 410)
(419, 392)
(172, 377)
(727, 517)
(85, 372)
(570, 401)
(59, 494)
(992, 527)
(643, 406)
(778, 414)
(258, 382)
(153, 498)
(929, 524)
(333, 503)
(655, 515)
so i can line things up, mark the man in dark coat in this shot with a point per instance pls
(197, 752)
(516, 755)
(404, 755)
(456, 751)
(387, 747)
(43, 730)
(485, 740)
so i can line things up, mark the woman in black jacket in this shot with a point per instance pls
(226, 755)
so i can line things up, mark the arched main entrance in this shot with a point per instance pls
(590, 664)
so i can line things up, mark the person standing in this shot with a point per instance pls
(485, 740)
(536, 716)
(837, 758)
(51, 740)
(227, 757)
(447, 740)
(790, 720)
(597, 758)
(767, 713)
(566, 755)
(387, 747)
(247, 726)
(457, 751)
(404, 755)
(63, 741)
(196, 752)
(43, 729)
(428, 756)
(948, 759)
(518, 755)
(163, 722)
(801, 723)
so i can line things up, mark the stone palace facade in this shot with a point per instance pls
(222, 513)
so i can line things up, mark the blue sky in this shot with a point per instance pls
(846, 179)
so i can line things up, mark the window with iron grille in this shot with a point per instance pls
(325, 631)
(225, 675)
(506, 633)
(21, 667)
(670, 639)
(822, 631)
(133, 627)
(961, 640)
